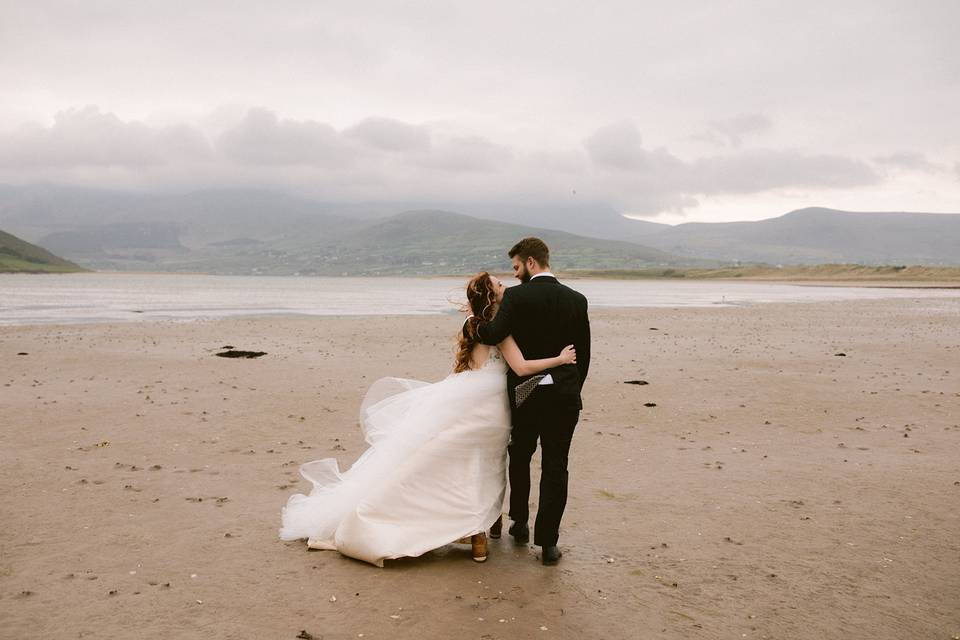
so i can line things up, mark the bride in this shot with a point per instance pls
(435, 470)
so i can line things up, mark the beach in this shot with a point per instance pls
(782, 471)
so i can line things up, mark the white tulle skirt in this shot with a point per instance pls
(435, 470)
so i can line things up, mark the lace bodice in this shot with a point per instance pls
(494, 362)
(494, 357)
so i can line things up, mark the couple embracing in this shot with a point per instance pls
(435, 470)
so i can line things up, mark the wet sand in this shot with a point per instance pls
(776, 489)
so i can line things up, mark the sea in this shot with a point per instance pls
(138, 297)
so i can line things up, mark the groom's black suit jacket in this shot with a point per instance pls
(544, 316)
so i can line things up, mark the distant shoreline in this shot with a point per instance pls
(814, 275)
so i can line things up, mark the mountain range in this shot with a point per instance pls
(817, 236)
(249, 231)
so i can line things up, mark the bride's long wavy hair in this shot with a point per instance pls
(482, 295)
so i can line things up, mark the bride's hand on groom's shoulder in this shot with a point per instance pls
(569, 355)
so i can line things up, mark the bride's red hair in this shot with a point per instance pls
(482, 295)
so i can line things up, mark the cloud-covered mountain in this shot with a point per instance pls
(806, 236)
(818, 235)
(813, 235)
(237, 231)
(242, 231)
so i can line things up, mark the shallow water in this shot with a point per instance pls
(107, 297)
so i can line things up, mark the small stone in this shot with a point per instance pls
(333, 598)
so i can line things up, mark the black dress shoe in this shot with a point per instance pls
(497, 528)
(520, 533)
(551, 555)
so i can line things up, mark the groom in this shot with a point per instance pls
(543, 316)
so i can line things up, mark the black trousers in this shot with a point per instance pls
(551, 418)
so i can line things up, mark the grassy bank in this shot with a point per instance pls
(10, 264)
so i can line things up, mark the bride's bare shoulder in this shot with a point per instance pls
(479, 355)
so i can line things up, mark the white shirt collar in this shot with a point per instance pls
(542, 273)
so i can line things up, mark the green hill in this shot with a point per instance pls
(19, 256)
(409, 243)
(432, 241)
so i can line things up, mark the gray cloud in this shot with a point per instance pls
(656, 180)
(385, 158)
(263, 138)
(469, 154)
(731, 131)
(761, 170)
(908, 160)
(390, 135)
(89, 137)
(481, 104)
(620, 146)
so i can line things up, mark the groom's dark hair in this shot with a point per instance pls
(532, 248)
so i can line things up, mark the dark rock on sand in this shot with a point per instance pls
(233, 353)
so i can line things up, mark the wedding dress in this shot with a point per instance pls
(435, 470)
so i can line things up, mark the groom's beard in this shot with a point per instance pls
(523, 275)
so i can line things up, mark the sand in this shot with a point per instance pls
(777, 489)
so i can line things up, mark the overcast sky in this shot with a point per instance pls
(674, 111)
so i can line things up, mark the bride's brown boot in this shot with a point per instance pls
(497, 529)
(479, 543)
